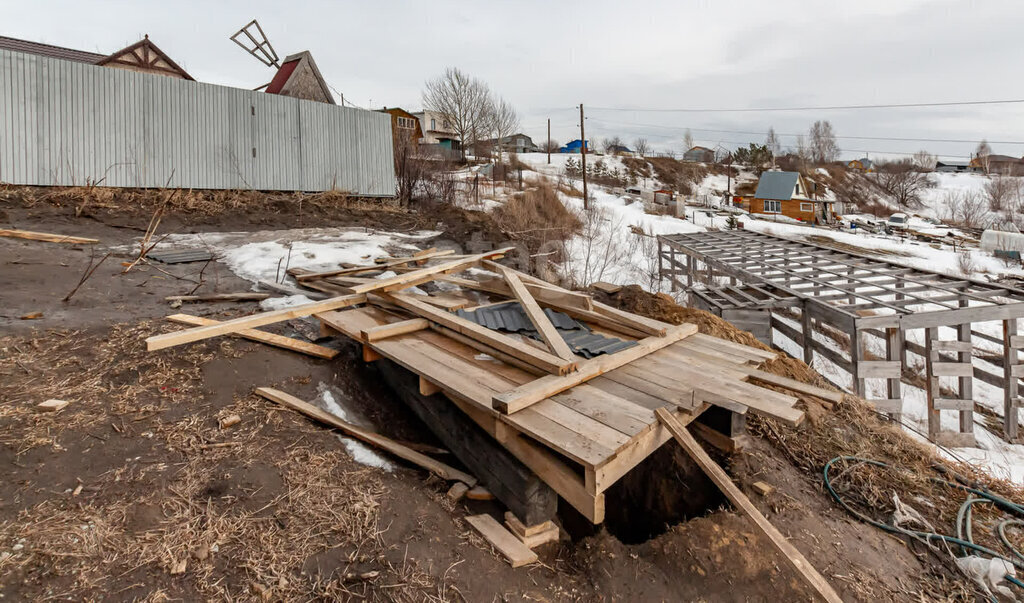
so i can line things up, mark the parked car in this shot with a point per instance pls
(897, 221)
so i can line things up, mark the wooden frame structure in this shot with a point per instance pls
(863, 296)
(579, 424)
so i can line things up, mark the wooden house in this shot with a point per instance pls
(787, 194)
(862, 165)
(699, 155)
(404, 124)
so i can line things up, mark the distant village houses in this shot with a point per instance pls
(517, 143)
(862, 165)
(699, 155)
(574, 146)
(404, 125)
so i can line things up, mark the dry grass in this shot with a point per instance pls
(537, 216)
(184, 520)
(187, 201)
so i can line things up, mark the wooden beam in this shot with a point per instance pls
(539, 389)
(167, 340)
(262, 336)
(513, 549)
(394, 329)
(527, 353)
(795, 386)
(247, 296)
(540, 320)
(793, 557)
(423, 275)
(401, 451)
(45, 236)
(382, 266)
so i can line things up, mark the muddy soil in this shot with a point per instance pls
(133, 492)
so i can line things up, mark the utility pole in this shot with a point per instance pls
(548, 144)
(583, 156)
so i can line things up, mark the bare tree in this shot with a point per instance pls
(409, 169)
(823, 146)
(964, 207)
(903, 182)
(982, 152)
(464, 100)
(641, 147)
(687, 140)
(1003, 193)
(802, 152)
(924, 160)
(609, 144)
(550, 146)
(504, 120)
(772, 142)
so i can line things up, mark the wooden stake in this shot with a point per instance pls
(793, 557)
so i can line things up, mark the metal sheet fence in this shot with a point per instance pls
(64, 123)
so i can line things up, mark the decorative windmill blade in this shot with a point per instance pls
(260, 47)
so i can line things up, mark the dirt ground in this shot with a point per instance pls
(133, 492)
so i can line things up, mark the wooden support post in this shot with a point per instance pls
(808, 334)
(793, 557)
(1010, 392)
(856, 357)
(893, 351)
(966, 383)
(930, 335)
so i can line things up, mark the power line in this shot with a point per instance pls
(819, 108)
(765, 132)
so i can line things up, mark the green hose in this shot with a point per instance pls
(964, 538)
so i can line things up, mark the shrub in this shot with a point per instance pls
(537, 216)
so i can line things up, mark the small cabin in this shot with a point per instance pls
(787, 194)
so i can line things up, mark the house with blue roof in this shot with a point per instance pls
(574, 146)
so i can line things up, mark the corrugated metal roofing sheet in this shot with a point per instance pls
(511, 317)
(180, 256)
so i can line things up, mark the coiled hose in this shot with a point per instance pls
(964, 538)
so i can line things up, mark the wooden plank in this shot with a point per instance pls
(646, 325)
(575, 421)
(383, 265)
(394, 329)
(45, 236)
(879, 369)
(535, 391)
(423, 275)
(517, 553)
(262, 336)
(952, 346)
(953, 404)
(618, 413)
(1016, 370)
(796, 386)
(537, 317)
(891, 406)
(247, 296)
(1017, 341)
(401, 451)
(504, 343)
(641, 398)
(952, 369)
(167, 340)
(755, 354)
(449, 303)
(290, 290)
(793, 557)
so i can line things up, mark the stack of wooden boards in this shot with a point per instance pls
(579, 424)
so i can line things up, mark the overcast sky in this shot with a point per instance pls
(546, 57)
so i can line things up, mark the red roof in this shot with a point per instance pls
(282, 75)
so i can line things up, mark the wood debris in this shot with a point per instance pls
(229, 421)
(762, 488)
(31, 316)
(52, 405)
(45, 236)
(505, 542)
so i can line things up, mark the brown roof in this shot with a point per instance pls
(48, 50)
(143, 60)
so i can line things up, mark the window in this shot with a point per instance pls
(806, 207)
(772, 207)
(433, 123)
(406, 122)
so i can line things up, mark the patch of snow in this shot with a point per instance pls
(288, 301)
(360, 453)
